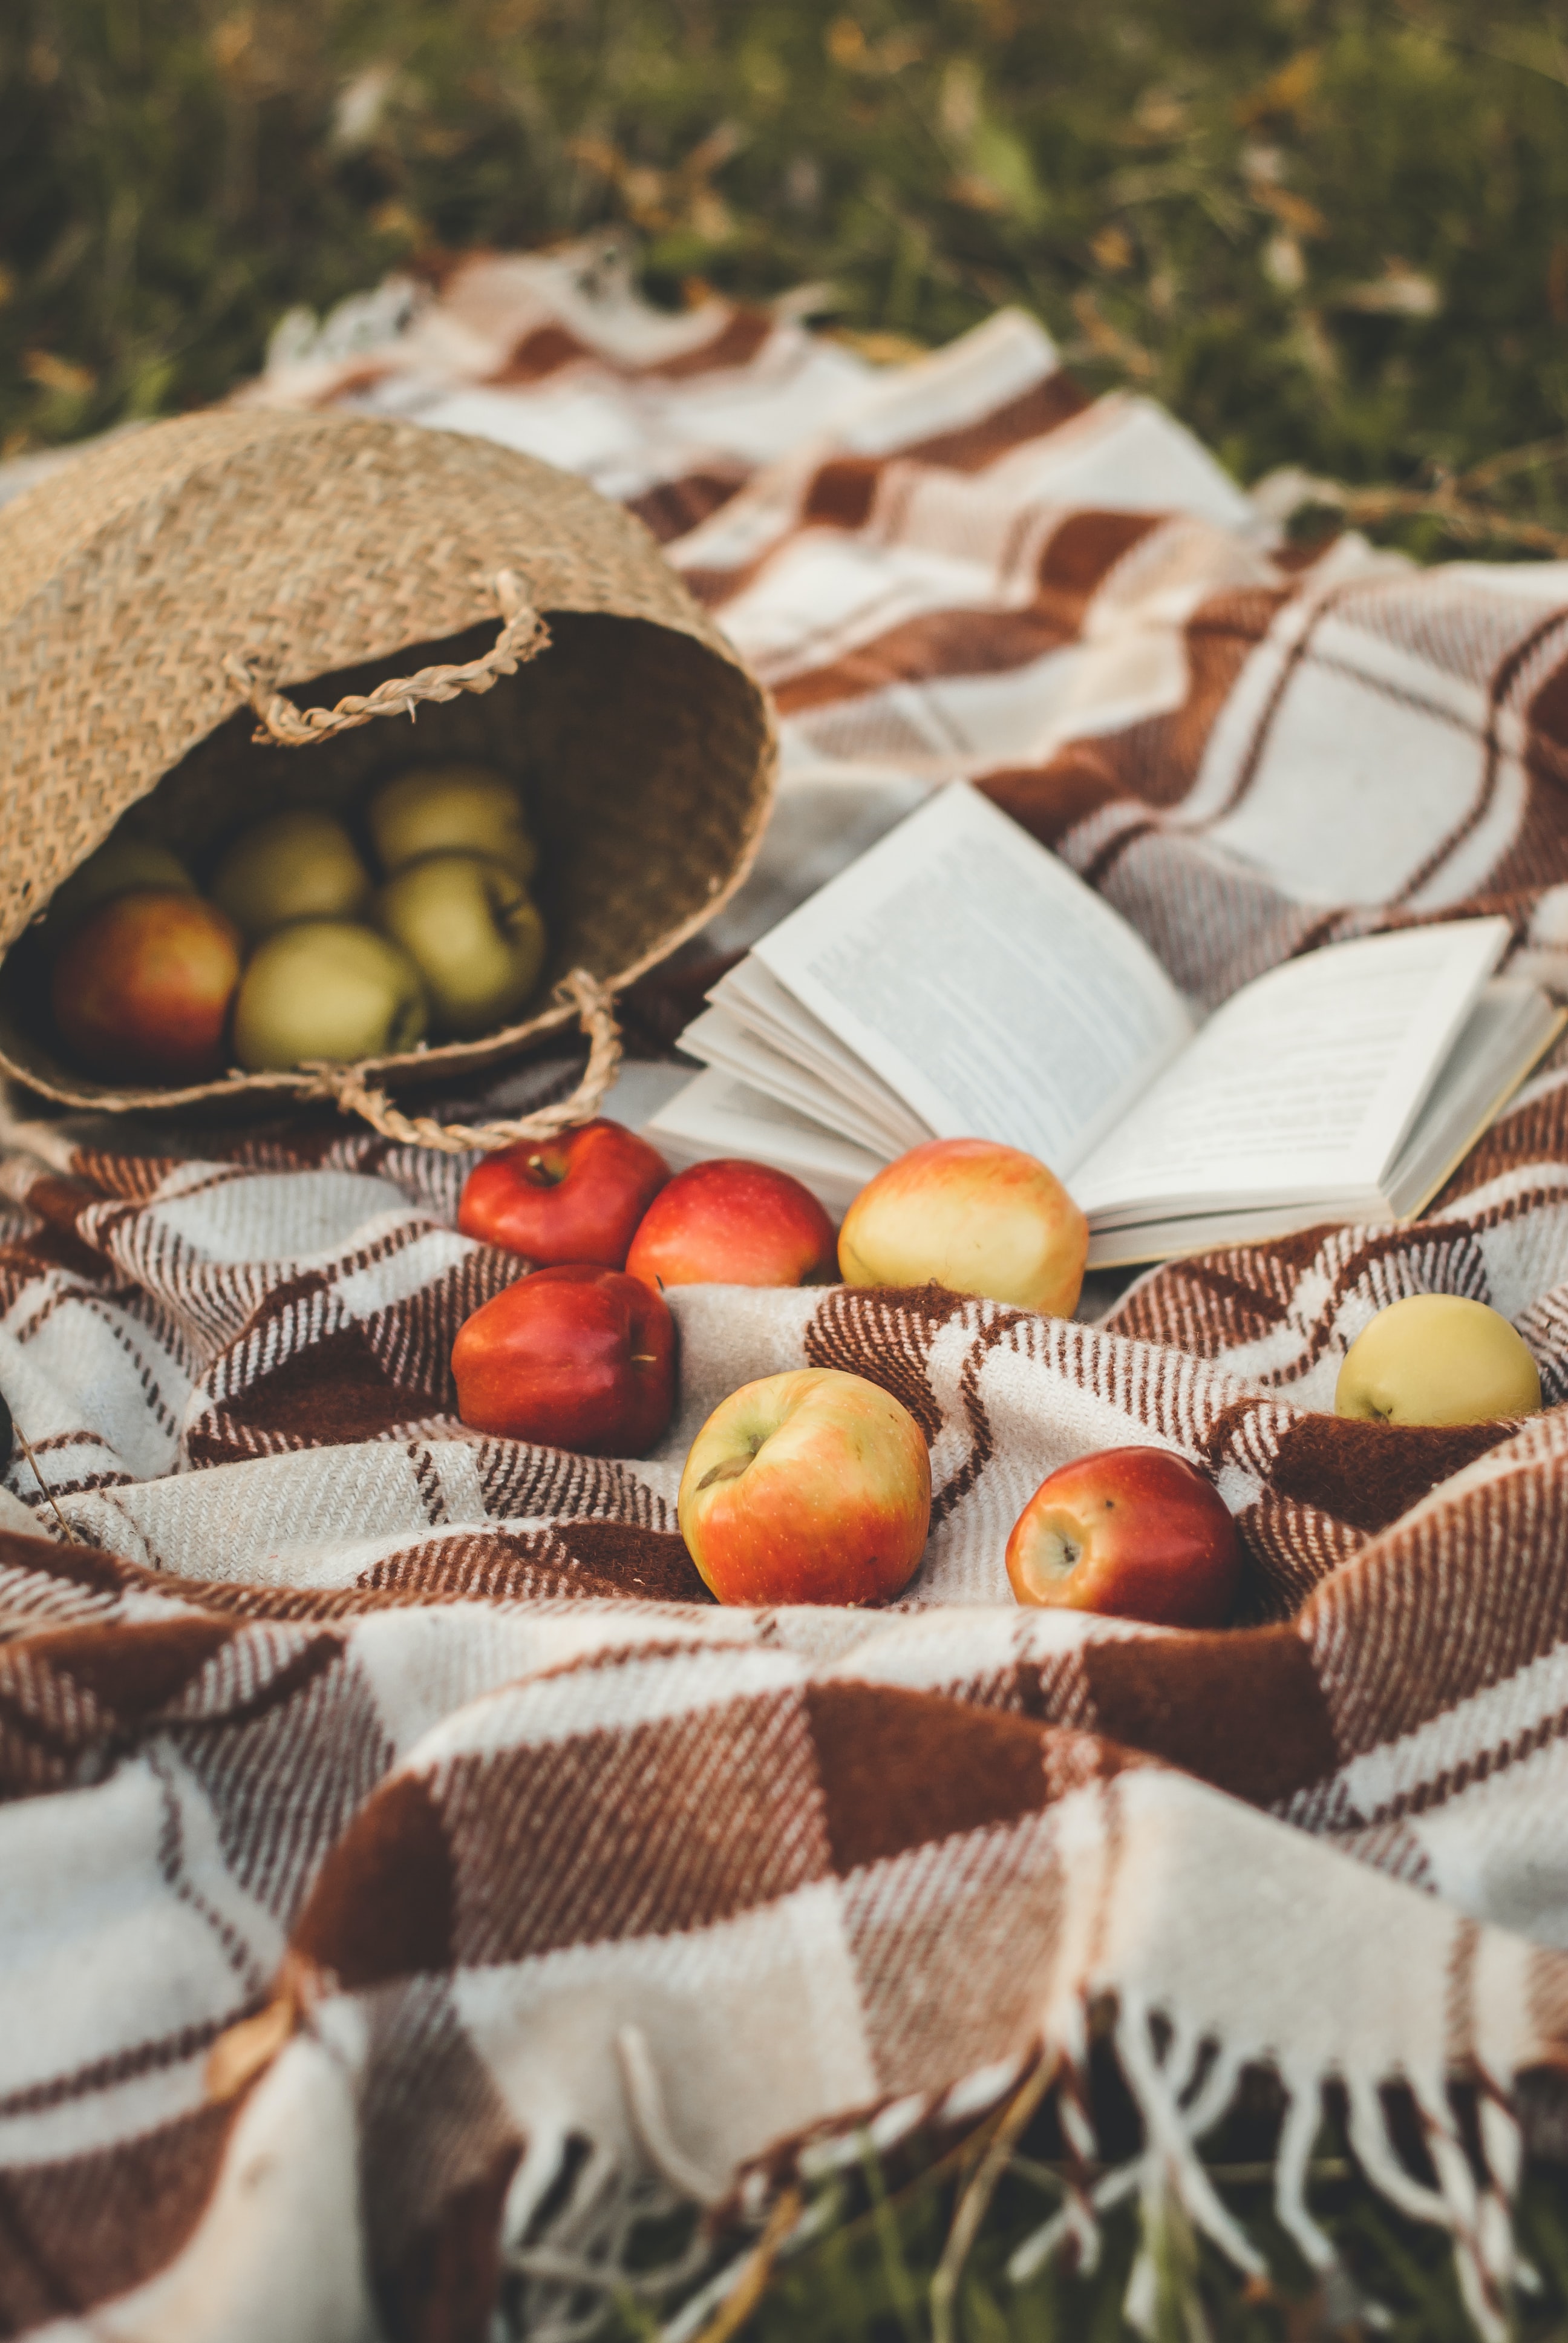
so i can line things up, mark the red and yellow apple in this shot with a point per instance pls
(971, 1215)
(1135, 1533)
(809, 1487)
(141, 990)
(577, 1197)
(729, 1222)
(1438, 1358)
(571, 1357)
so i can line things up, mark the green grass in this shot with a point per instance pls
(880, 2263)
(1326, 234)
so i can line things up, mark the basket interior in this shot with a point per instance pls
(640, 754)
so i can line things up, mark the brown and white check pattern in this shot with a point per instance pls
(405, 1864)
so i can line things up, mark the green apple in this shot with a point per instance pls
(451, 809)
(473, 935)
(1437, 1358)
(327, 989)
(118, 867)
(297, 865)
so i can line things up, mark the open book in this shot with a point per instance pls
(958, 981)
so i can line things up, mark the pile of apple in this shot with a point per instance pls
(304, 947)
(815, 1486)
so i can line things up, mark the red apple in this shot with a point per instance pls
(809, 1487)
(577, 1197)
(973, 1216)
(141, 989)
(572, 1357)
(1135, 1533)
(728, 1223)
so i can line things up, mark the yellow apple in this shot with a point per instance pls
(327, 989)
(118, 867)
(296, 865)
(471, 931)
(451, 809)
(971, 1215)
(1437, 1358)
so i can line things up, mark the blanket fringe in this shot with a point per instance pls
(1180, 2099)
(1181, 2083)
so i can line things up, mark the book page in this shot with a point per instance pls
(983, 981)
(1302, 1087)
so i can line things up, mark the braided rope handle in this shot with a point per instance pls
(592, 1000)
(522, 638)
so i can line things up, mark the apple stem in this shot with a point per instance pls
(643, 1359)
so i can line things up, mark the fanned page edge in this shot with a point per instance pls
(744, 1057)
(753, 999)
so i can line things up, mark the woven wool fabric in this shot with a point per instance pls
(406, 1867)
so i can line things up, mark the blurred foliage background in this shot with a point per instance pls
(1329, 233)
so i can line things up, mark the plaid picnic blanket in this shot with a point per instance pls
(407, 1871)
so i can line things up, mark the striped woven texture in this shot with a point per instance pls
(408, 1875)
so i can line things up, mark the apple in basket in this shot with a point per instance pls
(809, 1487)
(571, 1357)
(471, 929)
(729, 1222)
(1136, 1533)
(141, 990)
(452, 808)
(1437, 1358)
(971, 1215)
(577, 1197)
(296, 865)
(327, 989)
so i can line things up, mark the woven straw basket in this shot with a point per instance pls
(208, 620)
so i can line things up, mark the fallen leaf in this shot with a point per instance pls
(1292, 211)
(1107, 339)
(1283, 264)
(1399, 292)
(846, 43)
(1285, 92)
(62, 374)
